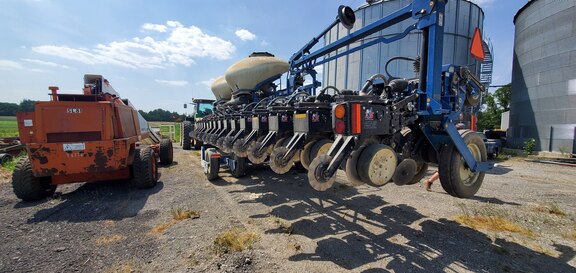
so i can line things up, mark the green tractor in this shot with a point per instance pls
(200, 109)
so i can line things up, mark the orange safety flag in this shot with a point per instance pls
(476, 49)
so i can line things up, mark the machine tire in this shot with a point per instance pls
(197, 144)
(144, 168)
(321, 147)
(376, 164)
(351, 164)
(240, 169)
(276, 163)
(166, 151)
(239, 148)
(252, 149)
(455, 177)
(26, 186)
(420, 172)
(186, 140)
(213, 165)
(4, 158)
(305, 155)
(315, 177)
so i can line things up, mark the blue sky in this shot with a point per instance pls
(160, 54)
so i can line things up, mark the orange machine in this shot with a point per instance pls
(86, 137)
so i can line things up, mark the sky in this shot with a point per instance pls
(160, 54)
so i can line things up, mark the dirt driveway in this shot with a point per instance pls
(522, 220)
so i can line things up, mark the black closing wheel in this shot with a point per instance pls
(144, 168)
(227, 144)
(351, 171)
(317, 173)
(279, 162)
(257, 154)
(166, 151)
(377, 164)
(26, 186)
(4, 158)
(405, 172)
(421, 169)
(455, 176)
(305, 155)
(186, 140)
(239, 148)
(239, 168)
(213, 167)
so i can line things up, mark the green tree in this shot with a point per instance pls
(27, 105)
(496, 104)
(8, 109)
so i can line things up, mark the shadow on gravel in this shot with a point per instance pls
(499, 170)
(114, 200)
(354, 230)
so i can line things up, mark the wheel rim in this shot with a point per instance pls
(277, 163)
(467, 176)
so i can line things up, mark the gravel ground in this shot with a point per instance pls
(109, 227)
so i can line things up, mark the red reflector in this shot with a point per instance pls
(356, 122)
(215, 156)
(340, 127)
(476, 49)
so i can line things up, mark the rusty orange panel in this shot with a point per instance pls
(127, 126)
(81, 157)
(73, 117)
(90, 177)
(26, 125)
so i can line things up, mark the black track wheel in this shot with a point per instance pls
(186, 129)
(239, 169)
(455, 176)
(26, 186)
(377, 164)
(144, 168)
(213, 165)
(166, 151)
(316, 175)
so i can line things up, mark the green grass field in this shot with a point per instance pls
(8, 126)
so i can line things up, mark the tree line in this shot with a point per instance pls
(10, 109)
(26, 105)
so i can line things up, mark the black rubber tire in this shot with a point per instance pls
(276, 163)
(213, 165)
(166, 151)
(452, 166)
(198, 144)
(26, 186)
(254, 145)
(420, 172)
(144, 168)
(4, 158)
(240, 169)
(319, 165)
(368, 159)
(239, 148)
(186, 140)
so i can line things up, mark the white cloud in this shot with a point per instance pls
(245, 35)
(172, 83)
(264, 43)
(207, 83)
(178, 46)
(10, 65)
(154, 27)
(45, 63)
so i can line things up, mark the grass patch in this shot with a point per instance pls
(181, 214)
(8, 126)
(123, 268)
(104, 240)
(570, 235)
(551, 209)
(490, 218)
(234, 239)
(161, 228)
